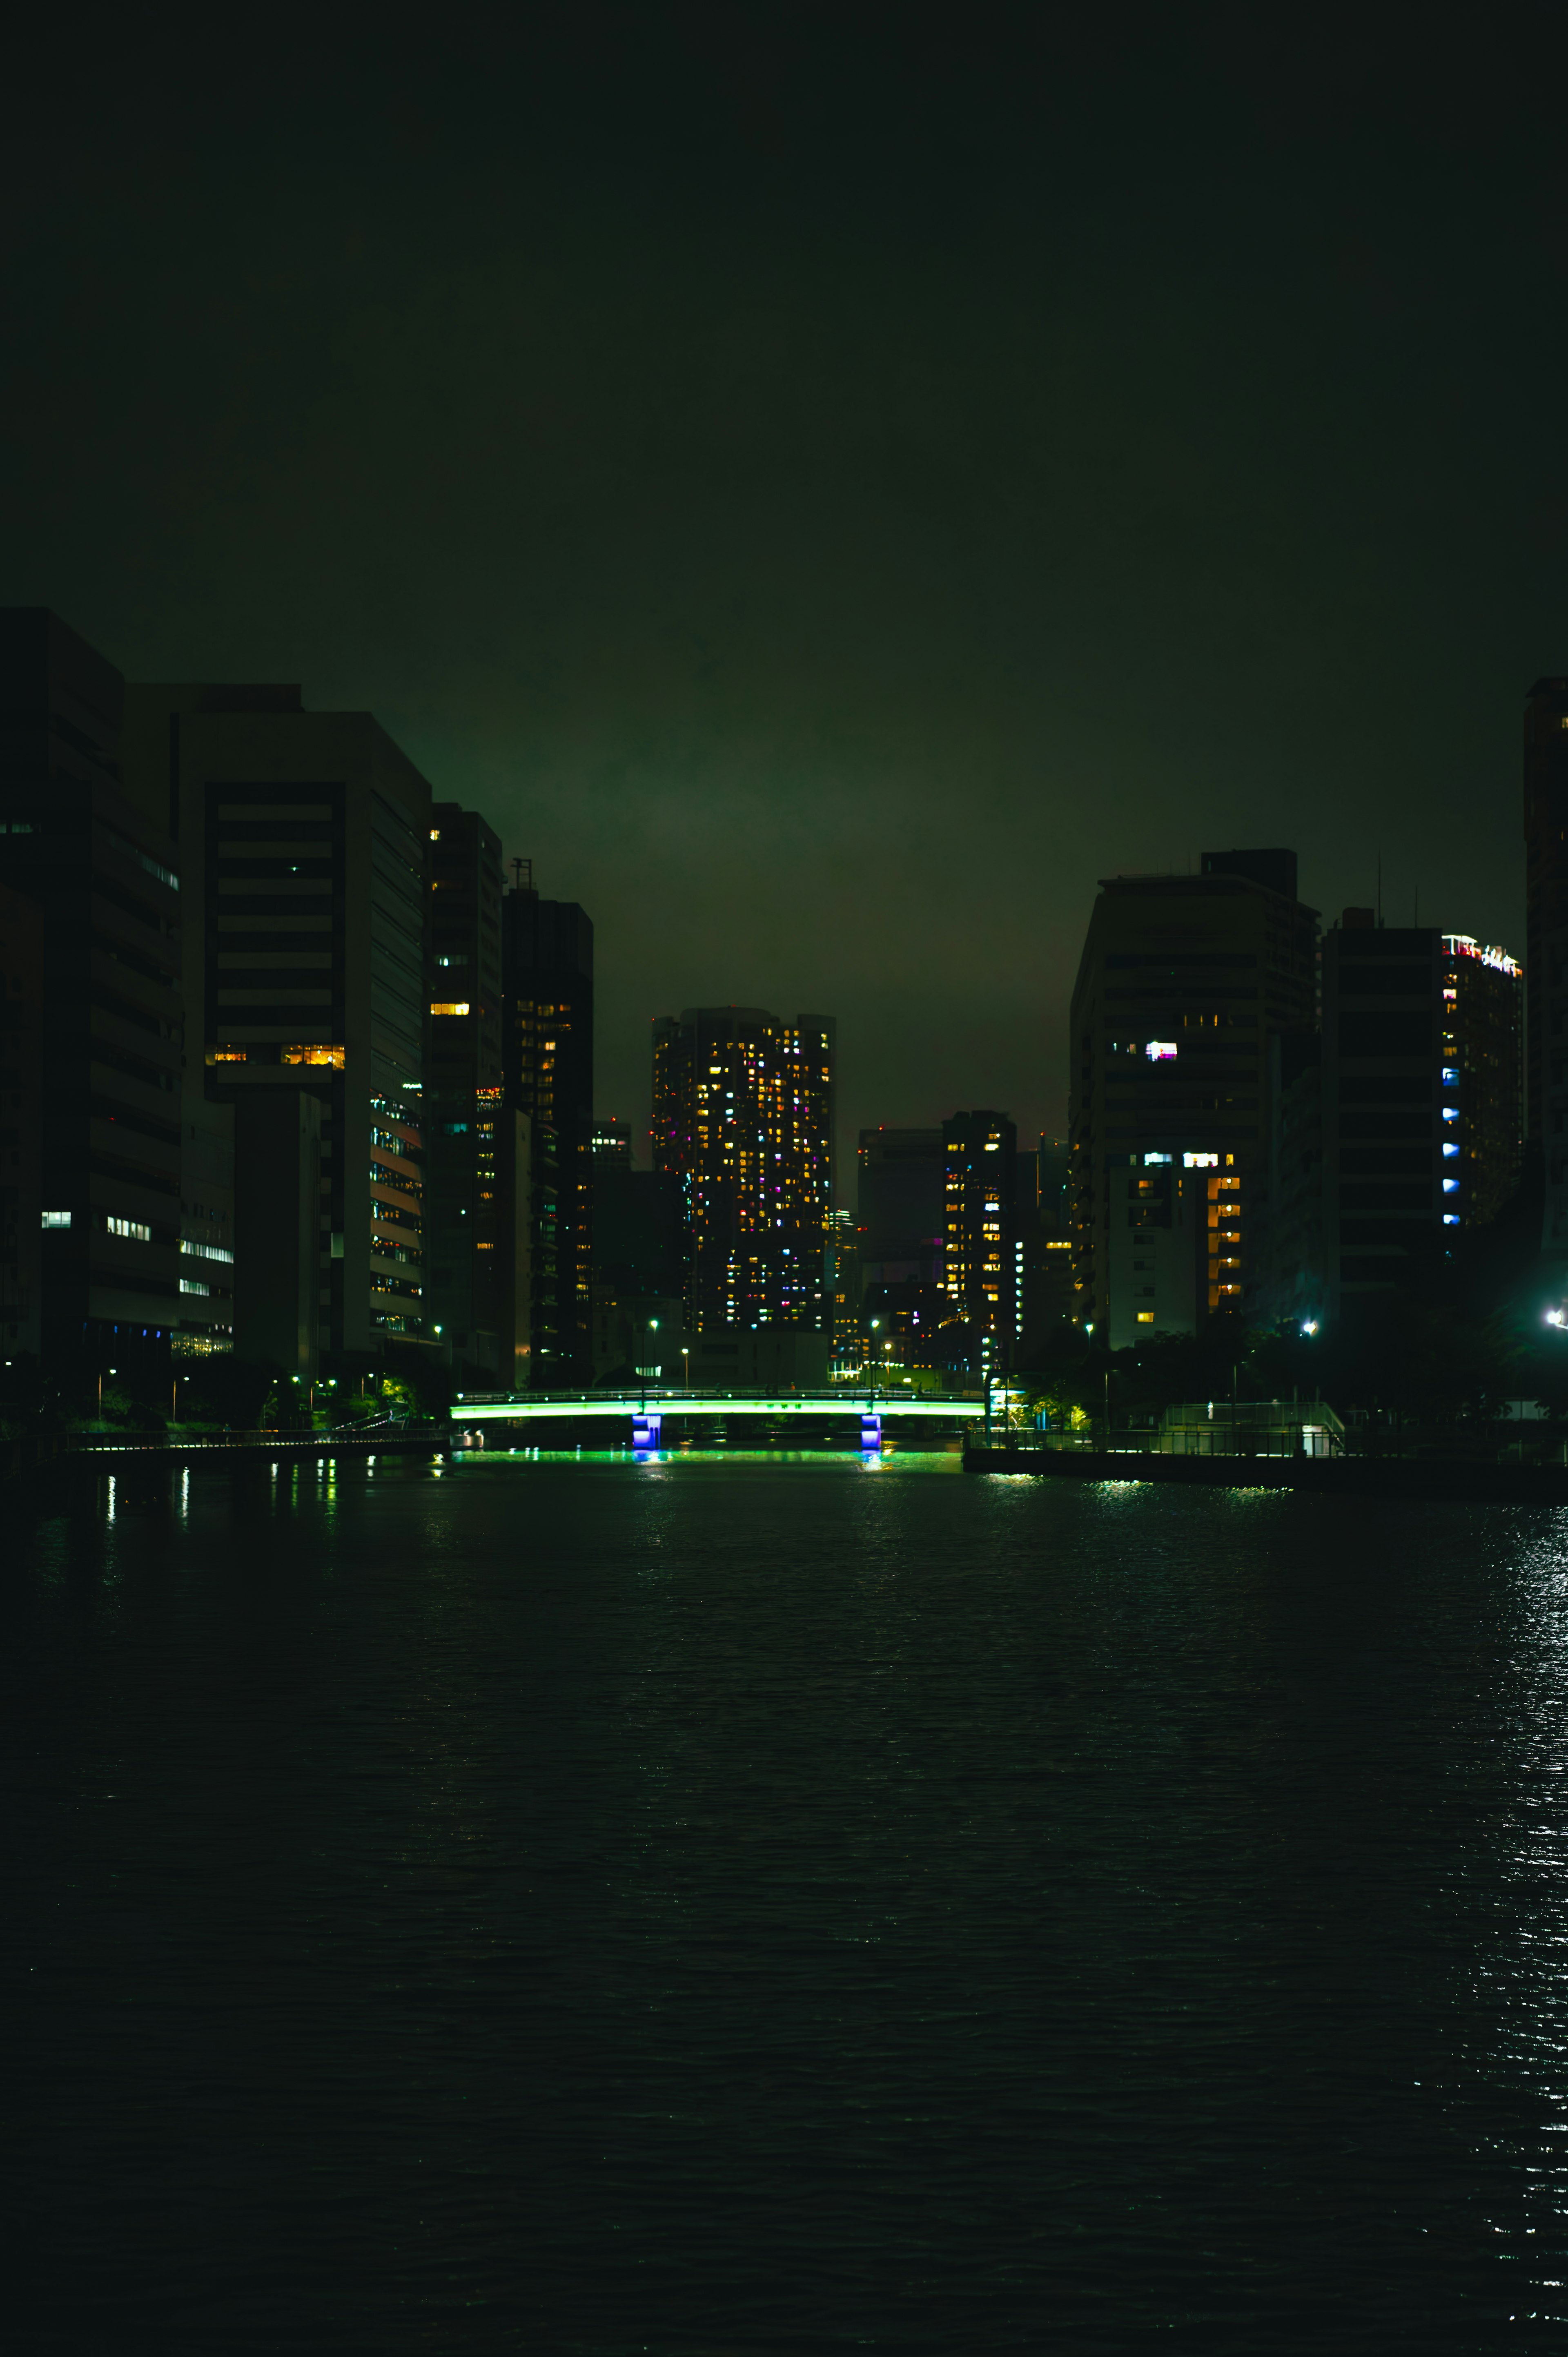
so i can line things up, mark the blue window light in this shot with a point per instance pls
(1451, 1186)
(1449, 1147)
(1450, 1218)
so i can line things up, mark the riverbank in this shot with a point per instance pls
(1325, 1477)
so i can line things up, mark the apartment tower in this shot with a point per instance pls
(743, 1119)
(1182, 983)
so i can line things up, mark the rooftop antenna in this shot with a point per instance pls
(1380, 891)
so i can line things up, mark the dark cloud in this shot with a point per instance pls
(830, 483)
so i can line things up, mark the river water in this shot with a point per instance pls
(722, 1905)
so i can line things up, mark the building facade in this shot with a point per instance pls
(1421, 1093)
(1183, 981)
(21, 1128)
(105, 879)
(743, 1121)
(1546, 952)
(477, 1264)
(304, 839)
(547, 979)
(979, 1264)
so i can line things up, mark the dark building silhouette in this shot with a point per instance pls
(21, 1127)
(612, 1143)
(1293, 1282)
(743, 1121)
(1546, 948)
(1420, 1085)
(547, 979)
(105, 876)
(1182, 983)
(901, 1206)
(476, 1161)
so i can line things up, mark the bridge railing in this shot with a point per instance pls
(842, 1398)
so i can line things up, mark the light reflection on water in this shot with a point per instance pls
(715, 1901)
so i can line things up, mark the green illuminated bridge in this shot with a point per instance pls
(667, 1406)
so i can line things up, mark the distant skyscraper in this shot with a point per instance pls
(476, 1168)
(612, 1143)
(743, 1117)
(1182, 982)
(547, 966)
(1420, 1091)
(901, 1207)
(1546, 948)
(979, 1272)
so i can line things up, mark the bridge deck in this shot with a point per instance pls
(528, 1407)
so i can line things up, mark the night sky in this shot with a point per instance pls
(829, 483)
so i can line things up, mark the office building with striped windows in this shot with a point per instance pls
(304, 841)
(1183, 981)
(743, 1120)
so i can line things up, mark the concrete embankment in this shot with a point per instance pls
(1328, 1477)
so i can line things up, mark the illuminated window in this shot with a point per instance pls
(1160, 1052)
(189, 1284)
(1145, 1316)
(310, 1052)
(204, 1252)
(56, 1219)
(226, 1055)
(451, 1006)
(135, 1229)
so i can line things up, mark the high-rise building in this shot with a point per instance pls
(1483, 1076)
(21, 1127)
(106, 879)
(1420, 1091)
(1546, 949)
(1293, 1287)
(902, 1206)
(980, 1188)
(612, 1143)
(547, 979)
(1182, 982)
(742, 1118)
(477, 1165)
(901, 1218)
(304, 837)
(844, 1259)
